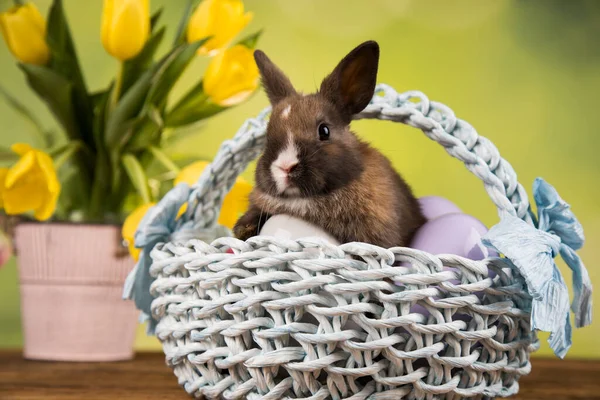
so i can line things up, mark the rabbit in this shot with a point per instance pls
(314, 168)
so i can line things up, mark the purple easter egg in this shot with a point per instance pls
(435, 206)
(453, 233)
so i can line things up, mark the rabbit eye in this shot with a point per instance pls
(323, 132)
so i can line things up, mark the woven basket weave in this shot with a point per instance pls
(302, 319)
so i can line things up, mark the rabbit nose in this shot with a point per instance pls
(288, 168)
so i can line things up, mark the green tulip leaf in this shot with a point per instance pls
(134, 68)
(127, 108)
(74, 193)
(251, 40)
(66, 152)
(136, 174)
(130, 105)
(58, 37)
(100, 106)
(154, 19)
(171, 137)
(57, 93)
(117, 173)
(192, 107)
(64, 62)
(101, 188)
(180, 35)
(113, 155)
(190, 115)
(163, 159)
(102, 173)
(149, 91)
(164, 80)
(42, 136)
(144, 132)
(183, 159)
(98, 98)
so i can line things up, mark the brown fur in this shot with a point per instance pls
(343, 185)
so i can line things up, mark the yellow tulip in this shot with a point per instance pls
(235, 202)
(125, 27)
(231, 76)
(130, 226)
(220, 19)
(24, 30)
(31, 184)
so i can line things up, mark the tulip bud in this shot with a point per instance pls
(125, 27)
(220, 19)
(231, 76)
(130, 226)
(24, 30)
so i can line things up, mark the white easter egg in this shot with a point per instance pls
(288, 227)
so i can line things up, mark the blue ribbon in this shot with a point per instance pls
(532, 251)
(159, 225)
(156, 226)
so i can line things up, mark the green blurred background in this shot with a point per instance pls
(524, 73)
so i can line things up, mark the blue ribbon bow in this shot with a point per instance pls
(158, 226)
(532, 251)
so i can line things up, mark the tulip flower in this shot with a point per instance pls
(125, 27)
(231, 76)
(220, 19)
(130, 226)
(235, 202)
(29, 185)
(24, 30)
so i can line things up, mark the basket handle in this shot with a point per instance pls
(413, 108)
(204, 198)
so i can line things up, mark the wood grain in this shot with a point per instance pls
(147, 377)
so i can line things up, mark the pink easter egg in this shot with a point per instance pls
(435, 206)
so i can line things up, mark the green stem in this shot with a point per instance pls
(162, 158)
(137, 176)
(103, 173)
(116, 93)
(67, 153)
(100, 189)
(18, 3)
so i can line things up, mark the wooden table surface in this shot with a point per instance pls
(147, 377)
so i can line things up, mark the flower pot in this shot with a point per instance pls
(71, 279)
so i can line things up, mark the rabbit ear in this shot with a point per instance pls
(276, 84)
(351, 85)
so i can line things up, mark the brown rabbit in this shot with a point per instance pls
(314, 168)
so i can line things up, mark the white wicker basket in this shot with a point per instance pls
(272, 319)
